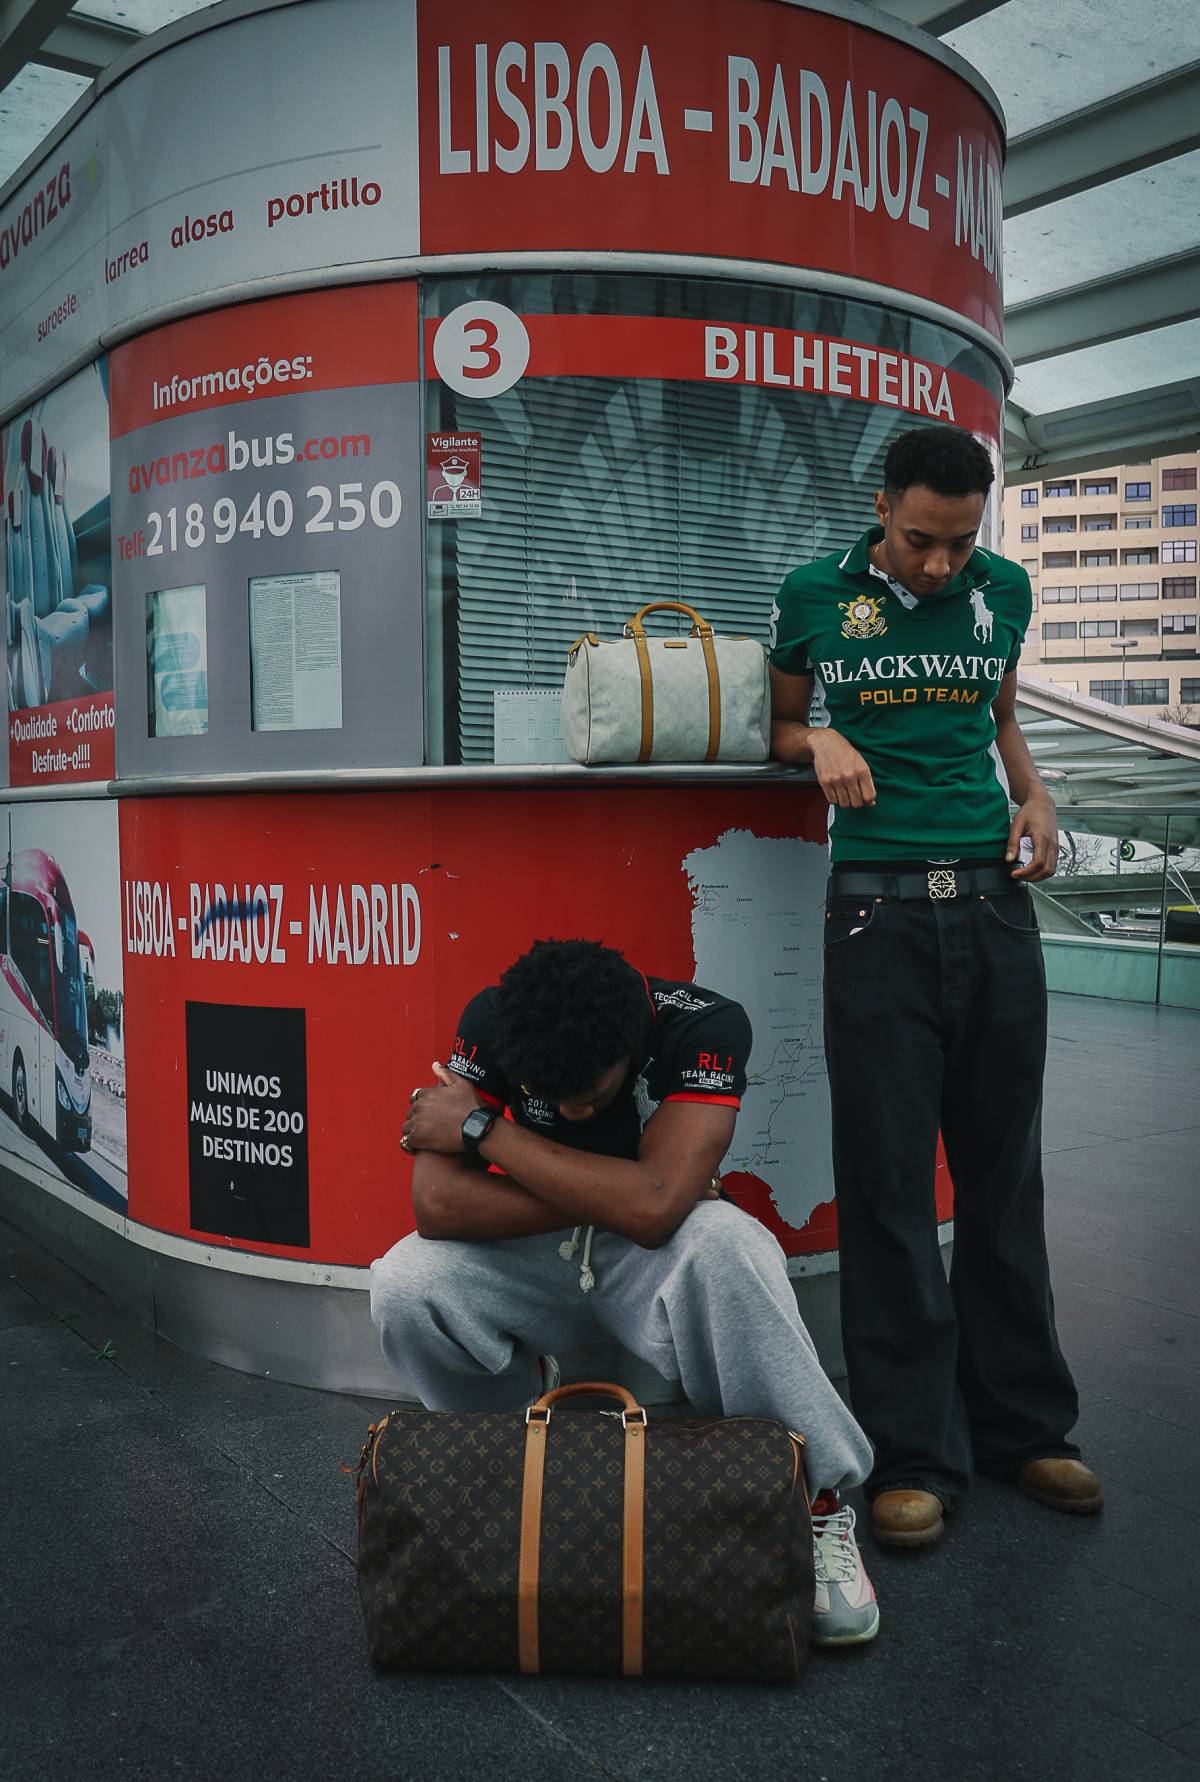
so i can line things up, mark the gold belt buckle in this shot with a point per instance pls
(942, 884)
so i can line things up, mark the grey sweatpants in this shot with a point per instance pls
(713, 1309)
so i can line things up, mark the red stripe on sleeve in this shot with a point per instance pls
(710, 1101)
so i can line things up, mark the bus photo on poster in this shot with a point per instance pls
(62, 1003)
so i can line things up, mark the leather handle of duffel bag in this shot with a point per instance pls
(704, 631)
(537, 1425)
(597, 1388)
(699, 625)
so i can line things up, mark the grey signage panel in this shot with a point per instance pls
(295, 487)
(284, 142)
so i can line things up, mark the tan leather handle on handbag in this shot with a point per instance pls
(599, 1388)
(700, 627)
(537, 1430)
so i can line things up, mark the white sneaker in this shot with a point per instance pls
(845, 1610)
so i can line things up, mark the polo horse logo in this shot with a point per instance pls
(983, 618)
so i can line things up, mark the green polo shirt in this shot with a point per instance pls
(910, 683)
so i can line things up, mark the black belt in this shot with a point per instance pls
(938, 883)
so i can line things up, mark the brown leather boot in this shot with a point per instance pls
(907, 1518)
(1062, 1485)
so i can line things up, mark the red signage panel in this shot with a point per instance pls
(293, 965)
(744, 129)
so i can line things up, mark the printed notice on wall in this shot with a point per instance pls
(247, 1089)
(453, 476)
(177, 662)
(296, 651)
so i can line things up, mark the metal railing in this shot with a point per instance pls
(1128, 883)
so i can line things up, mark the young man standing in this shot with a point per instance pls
(622, 1092)
(935, 998)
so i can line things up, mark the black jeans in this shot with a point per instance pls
(935, 1017)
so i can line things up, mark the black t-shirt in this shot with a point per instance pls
(694, 1046)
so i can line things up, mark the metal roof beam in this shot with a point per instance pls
(1131, 301)
(1097, 435)
(1138, 128)
(83, 45)
(24, 28)
(936, 16)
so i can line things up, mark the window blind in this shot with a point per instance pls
(602, 494)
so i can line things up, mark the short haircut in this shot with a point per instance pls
(565, 1013)
(944, 459)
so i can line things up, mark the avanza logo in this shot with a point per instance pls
(41, 210)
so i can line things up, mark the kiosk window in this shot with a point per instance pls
(599, 494)
(177, 662)
(296, 651)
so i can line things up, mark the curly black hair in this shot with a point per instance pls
(944, 459)
(566, 1012)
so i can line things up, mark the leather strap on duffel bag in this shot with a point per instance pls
(589, 1543)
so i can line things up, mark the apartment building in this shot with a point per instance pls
(1112, 558)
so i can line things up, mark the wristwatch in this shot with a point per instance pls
(476, 1127)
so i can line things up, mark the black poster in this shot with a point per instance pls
(247, 1085)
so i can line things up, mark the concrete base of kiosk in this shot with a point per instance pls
(263, 1317)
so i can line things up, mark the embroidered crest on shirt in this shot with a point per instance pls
(863, 616)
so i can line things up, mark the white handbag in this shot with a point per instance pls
(639, 698)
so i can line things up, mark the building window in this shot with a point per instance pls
(1189, 692)
(1098, 628)
(1179, 550)
(1059, 559)
(1029, 497)
(1137, 522)
(1179, 587)
(1179, 478)
(1129, 692)
(1139, 627)
(1053, 630)
(1137, 491)
(1058, 596)
(1100, 523)
(1098, 560)
(1028, 533)
(1059, 491)
(1066, 524)
(1179, 513)
(1105, 488)
(1139, 590)
(1176, 624)
(1146, 555)
(1033, 597)
(1102, 591)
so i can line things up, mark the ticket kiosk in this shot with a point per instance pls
(314, 466)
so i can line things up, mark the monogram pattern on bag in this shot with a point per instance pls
(728, 1545)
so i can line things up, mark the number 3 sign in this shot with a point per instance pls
(481, 349)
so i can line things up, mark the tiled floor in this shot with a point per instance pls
(177, 1594)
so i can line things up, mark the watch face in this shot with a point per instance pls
(477, 1125)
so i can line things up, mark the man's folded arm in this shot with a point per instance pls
(453, 1197)
(547, 1186)
(644, 1199)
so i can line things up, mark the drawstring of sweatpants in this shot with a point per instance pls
(587, 1278)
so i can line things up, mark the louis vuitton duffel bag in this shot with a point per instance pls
(592, 1542)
